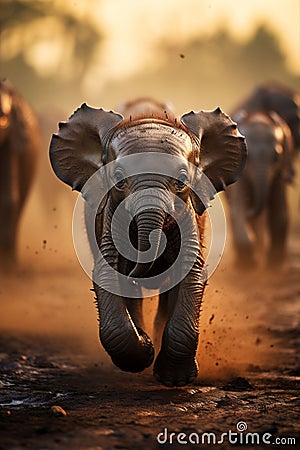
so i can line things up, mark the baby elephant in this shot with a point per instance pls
(148, 178)
(257, 202)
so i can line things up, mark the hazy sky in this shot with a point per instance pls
(133, 30)
(133, 27)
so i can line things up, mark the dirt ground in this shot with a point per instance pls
(59, 390)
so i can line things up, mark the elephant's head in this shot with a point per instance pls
(269, 154)
(274, 97)
(286, 103)
(93, 138)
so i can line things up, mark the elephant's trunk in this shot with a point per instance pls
(260, 193)
(149, 208)
(149, 225)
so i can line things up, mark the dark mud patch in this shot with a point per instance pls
(103, 408)
(58, 391)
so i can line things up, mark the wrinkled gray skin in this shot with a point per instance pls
(274, 97)
(93, 137)
(19, 150)
(258, 201)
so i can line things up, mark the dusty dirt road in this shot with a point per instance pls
(58, 390)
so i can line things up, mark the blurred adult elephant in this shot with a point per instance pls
(133, 151)
(19, 148)
(258, 201)
(276, 97)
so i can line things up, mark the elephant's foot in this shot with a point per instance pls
(274, 264)
(172, 372)
(245, 258)
(276, 259)
(8, 261)
(245, 263)
(136, 356)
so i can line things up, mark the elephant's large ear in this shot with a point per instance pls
(223, 152)
(284, 146)
(76, 151)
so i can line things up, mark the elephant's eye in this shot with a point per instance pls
(119, 179)
(182, 180)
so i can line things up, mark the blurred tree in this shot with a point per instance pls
(209, 71)
(48, 37)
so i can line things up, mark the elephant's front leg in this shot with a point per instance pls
(160, 318)
(135, 309)
(176, 363)
(129, 346)
(278, 222)
(9, 211)
(237, 195)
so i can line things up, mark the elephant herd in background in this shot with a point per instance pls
(270, 121)
(250, 155)
(20, 146)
